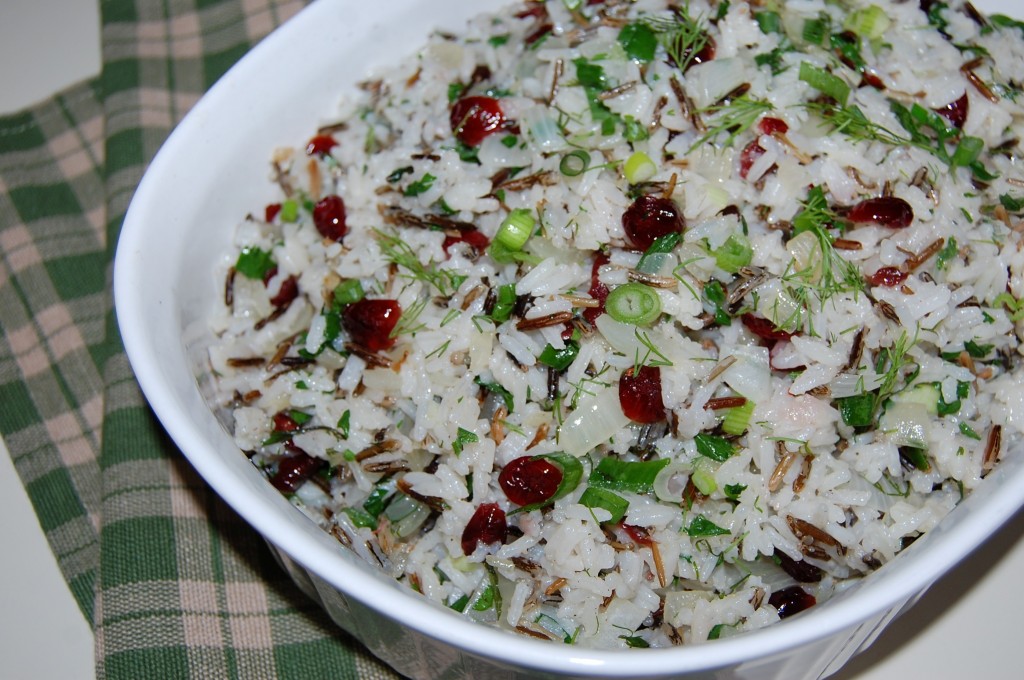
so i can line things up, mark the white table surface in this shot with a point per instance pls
(966, 626)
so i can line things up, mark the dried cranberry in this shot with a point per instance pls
(804, 572)
(791, 600)
(269, 274)
(887, 276)
(751, 152)
(474, 118)
(288, 291)
(271, 211)
(471, 236)
(329, 217)
(284, 422)
(294, 470)
(369, 323)
(638, 535)
(888, 211)
(320, 145)
(956, 112)
(598, 290)
(650, 217)
(765, 329)
(567, 332)
(528, 480)
(640, 395)
(770, 125)
(487, 525)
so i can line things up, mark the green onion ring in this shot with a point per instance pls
(574, 163)
(634, 303)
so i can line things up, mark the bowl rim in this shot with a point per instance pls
(885, 589)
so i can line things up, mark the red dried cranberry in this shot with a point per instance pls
(473, 237)
(269, 274)
(294, 470)
(765, 329)
(533, 9)
(650, 217)
(487, 525)
(567, 332)
(791, 600)
(369, 323)
(770, 125)
(474, 118)
(751, 152)
(640, 395)
(288, 291)
(320, 145)
(888, 211)
(887, 276)
(638, 535)
(271, 211)
(528, 480)
(329, 217)
(804, 572)
(284, 422)
(598, 290)
(956, 112)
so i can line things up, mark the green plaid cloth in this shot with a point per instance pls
(174, 583)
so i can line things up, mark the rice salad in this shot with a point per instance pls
(635, 324)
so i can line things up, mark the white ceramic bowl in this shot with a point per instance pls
(211, 171)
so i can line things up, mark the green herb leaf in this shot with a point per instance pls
(344, 423)
(733, 491)
(559, 359)
(254, 263)
(497, 390)
(858, 410)
(594, 497)
(399, 173)
(620, 475)
(639, 42)
(462, 438)
(422, 185)
(714, 447)
(635, 641)
(701, 526)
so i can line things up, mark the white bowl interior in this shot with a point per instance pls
(214, 169)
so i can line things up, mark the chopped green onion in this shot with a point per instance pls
(289, 211)
(375, 502)
(768, 22)
(968, 431)
(967, 151)
(814, 31)
(361, 518)
(620, 475)
(703, 476)
(504, 303)
(634, 303)
(824, 82)
(635, 641)
(559, 359)
(639, 168)
(734, 254)
(701, 526)
(422, 185)
(399, 173)
(574, 163)
(347, 292)
(516, 229)
(593, 497)
(858, 410)
(916, 457)
(737, 419)
(714, 447)
(869, 22)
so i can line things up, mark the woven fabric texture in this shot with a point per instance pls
(174, 583)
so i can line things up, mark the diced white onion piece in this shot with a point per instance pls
(671, 481)
(751, 375)
(597, 418)
(621, 336)
(707, 83)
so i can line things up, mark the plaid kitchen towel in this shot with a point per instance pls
(174, 583)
